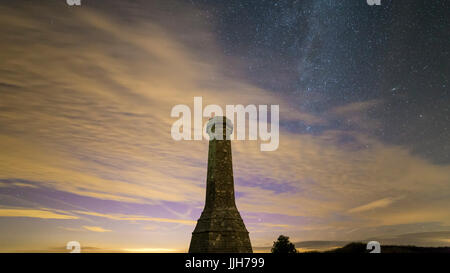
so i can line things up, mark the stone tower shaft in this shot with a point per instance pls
(220, 181)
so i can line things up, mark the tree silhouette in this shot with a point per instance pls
(282, 245)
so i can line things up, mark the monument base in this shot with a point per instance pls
(220, 231)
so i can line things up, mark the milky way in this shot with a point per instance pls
(329, 53)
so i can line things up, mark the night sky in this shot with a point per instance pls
(85, 100)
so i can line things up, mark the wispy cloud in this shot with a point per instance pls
(382, 203)
(276, 225)
(121, 217)
(35, 213)
(16, 184)
(96, 229)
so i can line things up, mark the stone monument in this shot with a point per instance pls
(220, 228)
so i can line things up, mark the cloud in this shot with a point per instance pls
(41, 213)
(71, 229)
(96, 229)
(356, 115)
(355, 107)
(382, 203)
(121, 217)
(16, 184)
(276, 225)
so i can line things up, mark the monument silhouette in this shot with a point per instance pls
(220, 228)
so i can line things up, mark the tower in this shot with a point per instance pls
(220, 227)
